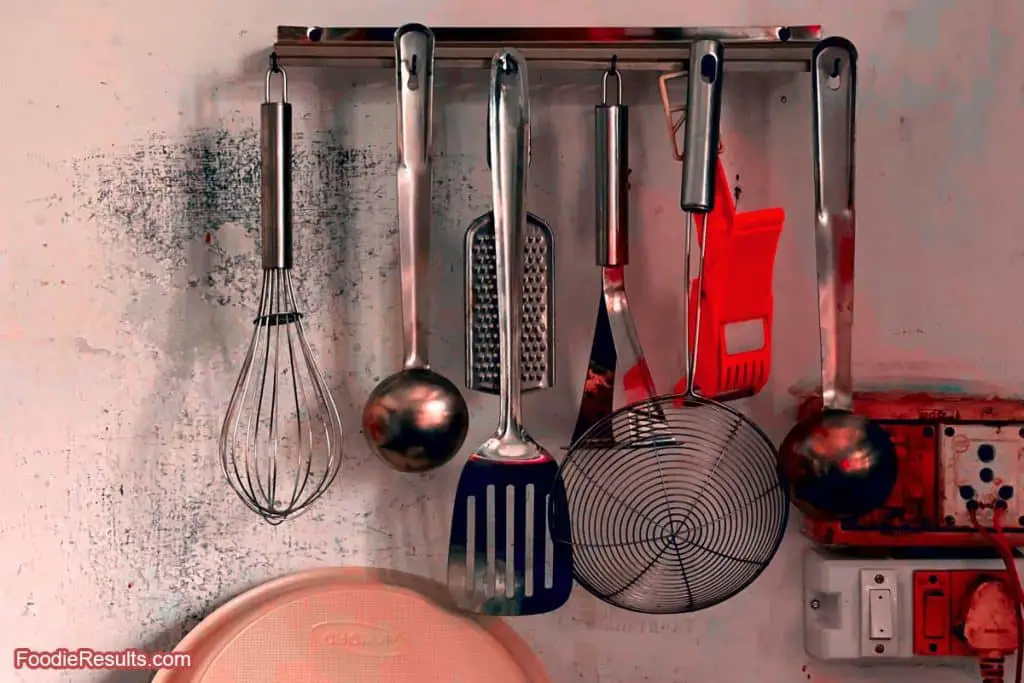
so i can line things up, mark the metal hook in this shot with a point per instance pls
(837, 65)
(835, 80)
(612, 71)
(275, 68)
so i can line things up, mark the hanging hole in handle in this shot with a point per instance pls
(709, 68)
(314, 33)
(412, 65)
(834, 82)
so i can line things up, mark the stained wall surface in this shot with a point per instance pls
(129, 267)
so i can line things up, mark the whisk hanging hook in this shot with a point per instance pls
(614, 73)
(275, 68)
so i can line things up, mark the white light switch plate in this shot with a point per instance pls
(879, 612)
(837, 612)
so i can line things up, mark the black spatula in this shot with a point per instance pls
(501, 559)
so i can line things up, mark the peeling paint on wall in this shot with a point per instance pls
(161, 196)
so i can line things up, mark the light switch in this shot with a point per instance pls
(936, 616)
(880, 613)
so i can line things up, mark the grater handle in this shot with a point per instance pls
(508, 128)
(834, 92)
(414, 86)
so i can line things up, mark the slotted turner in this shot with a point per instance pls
(501, 560)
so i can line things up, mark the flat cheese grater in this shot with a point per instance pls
(538, 329)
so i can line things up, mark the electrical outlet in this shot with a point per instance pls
(983, 463)
(847, 610)
(941, 600)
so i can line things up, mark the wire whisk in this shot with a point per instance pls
(280, 445)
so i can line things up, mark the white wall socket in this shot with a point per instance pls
(983, 460)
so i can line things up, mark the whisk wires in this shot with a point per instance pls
(282, 415)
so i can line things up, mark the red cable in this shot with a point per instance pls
(1011, 568)
(990, 673)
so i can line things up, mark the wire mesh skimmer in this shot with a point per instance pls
(675, 503)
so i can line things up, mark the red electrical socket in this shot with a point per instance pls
(940, 604)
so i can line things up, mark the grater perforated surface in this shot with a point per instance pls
(482, 356)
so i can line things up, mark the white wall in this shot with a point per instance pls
(129, 135)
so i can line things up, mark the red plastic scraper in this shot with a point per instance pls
(736, 326)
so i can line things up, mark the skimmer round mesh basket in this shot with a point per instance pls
(675, 504)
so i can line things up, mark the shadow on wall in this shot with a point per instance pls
(165, 641)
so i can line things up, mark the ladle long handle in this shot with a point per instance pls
(508, 131)
(414, 88)
(834, 90)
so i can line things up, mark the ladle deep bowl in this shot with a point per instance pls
(838, 465)
(416, 420)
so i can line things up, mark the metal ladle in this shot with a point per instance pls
(838, 464)
(415, 420)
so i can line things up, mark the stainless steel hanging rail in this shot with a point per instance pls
(753, 48)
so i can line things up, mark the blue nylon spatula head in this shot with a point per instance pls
(501, 559)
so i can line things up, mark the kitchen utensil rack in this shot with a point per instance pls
(661, 49)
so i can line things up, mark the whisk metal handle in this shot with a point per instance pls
(834, 91)
(414, 87)
(508, 131)
(611, 145)
(276, 179)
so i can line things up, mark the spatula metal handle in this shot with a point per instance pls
(414, 87)
(834, 91)
(611, 151)
(508, 130)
